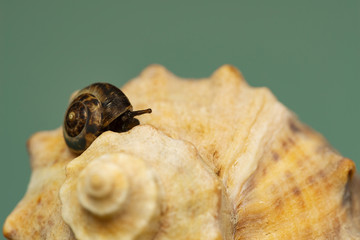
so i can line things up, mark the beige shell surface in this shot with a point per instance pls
(223, 160)
(38, 214)
(168, 178)
(283, 179)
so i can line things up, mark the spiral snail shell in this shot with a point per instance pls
(94, 110)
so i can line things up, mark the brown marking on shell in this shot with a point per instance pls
(348, 196)
(275, 156)
(87, 123)
(296, 191)
(264, 171)
(354, 208)
(278, 204)
(310, 180)
(291, 140)
(245, 223)
(75, 119)
(294, 127)
(296, 181)
(112, 99)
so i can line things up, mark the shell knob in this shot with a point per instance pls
(118, 189)
(102, 188)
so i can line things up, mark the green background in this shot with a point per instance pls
(306, 52)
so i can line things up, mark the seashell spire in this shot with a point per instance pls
(102, 188)
(107, 191)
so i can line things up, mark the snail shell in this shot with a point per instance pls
(95, 109)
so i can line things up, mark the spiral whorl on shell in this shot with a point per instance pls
(83, 122)
(106, 190)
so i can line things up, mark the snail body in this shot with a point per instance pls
(94, 110)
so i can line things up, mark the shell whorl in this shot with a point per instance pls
(113, 100)
(83, 122)
(103, 187)
(106, 190)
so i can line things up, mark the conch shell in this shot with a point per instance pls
(217, 159)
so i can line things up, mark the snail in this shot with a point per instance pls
(95, 109)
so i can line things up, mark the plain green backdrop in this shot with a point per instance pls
(306, 52)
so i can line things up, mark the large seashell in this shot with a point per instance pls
(223, 160)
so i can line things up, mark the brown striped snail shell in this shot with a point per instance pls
(94, 110)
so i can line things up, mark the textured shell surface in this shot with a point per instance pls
(216, 159)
